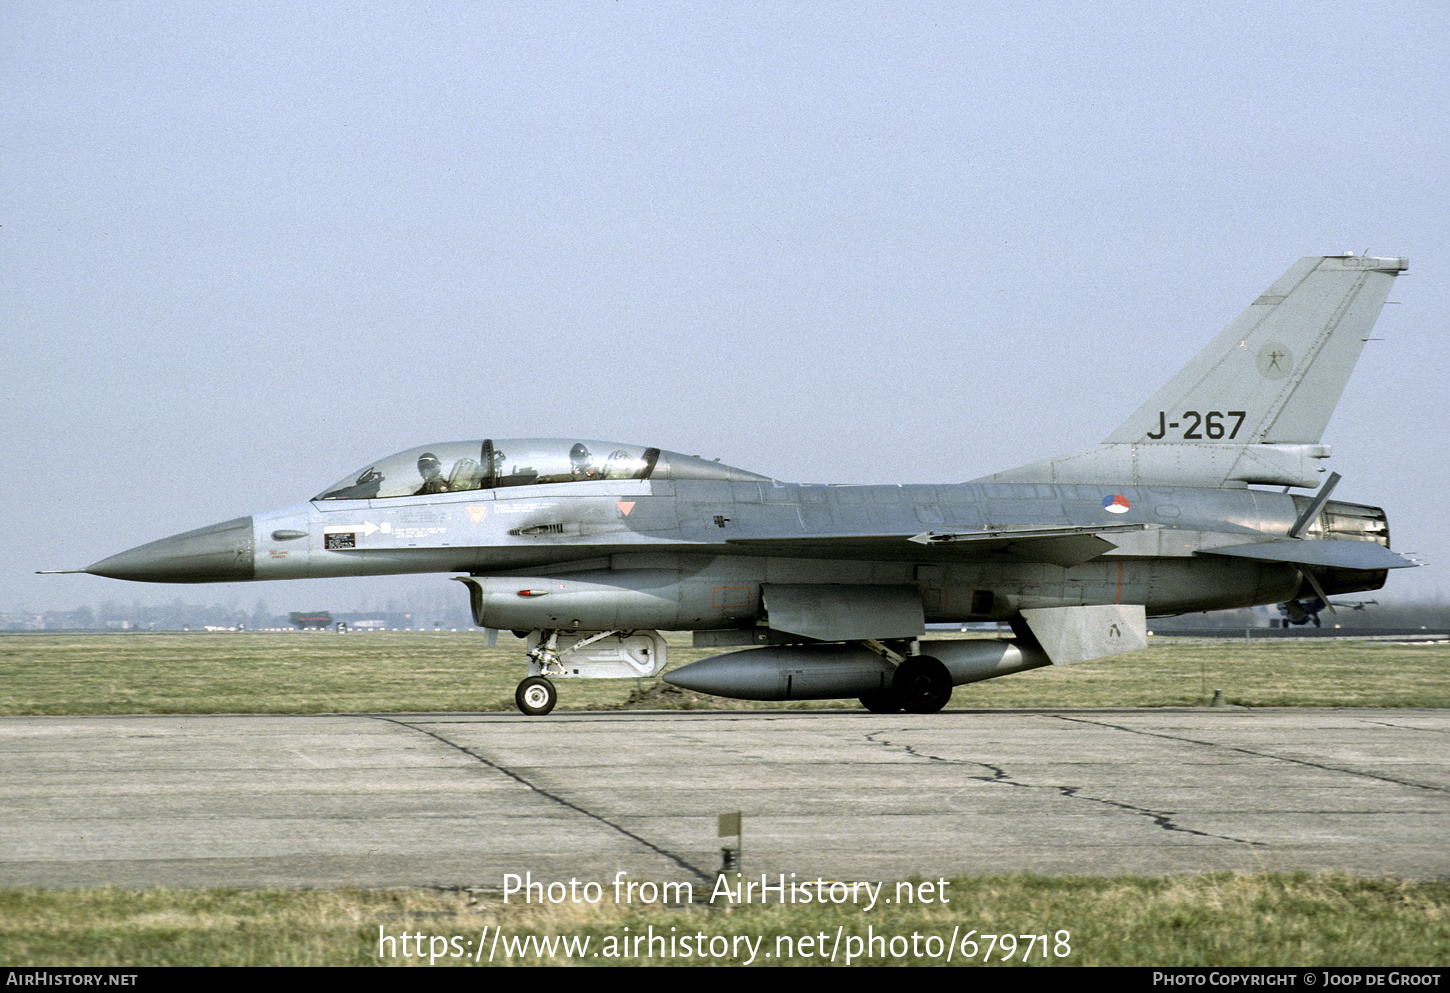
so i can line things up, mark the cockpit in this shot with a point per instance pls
(456, 466)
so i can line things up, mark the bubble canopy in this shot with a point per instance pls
(456, 466)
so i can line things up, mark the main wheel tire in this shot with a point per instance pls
(922, 685)
(881, 702)
(536, 696)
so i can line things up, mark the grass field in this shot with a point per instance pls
(322, 672)
(1210, 920)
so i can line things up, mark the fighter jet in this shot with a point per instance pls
(589, 549)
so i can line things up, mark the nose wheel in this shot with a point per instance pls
(536, 696)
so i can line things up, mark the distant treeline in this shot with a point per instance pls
(197, 617)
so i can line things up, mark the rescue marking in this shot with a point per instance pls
(366, 527)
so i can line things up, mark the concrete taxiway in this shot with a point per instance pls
(462, 799)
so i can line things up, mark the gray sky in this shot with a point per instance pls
(247, 248)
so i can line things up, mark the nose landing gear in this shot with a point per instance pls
(536, 696)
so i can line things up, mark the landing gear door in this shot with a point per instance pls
(601, 654)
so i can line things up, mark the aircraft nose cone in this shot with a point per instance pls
(220, 553)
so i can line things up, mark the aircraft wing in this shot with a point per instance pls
(1064, 545)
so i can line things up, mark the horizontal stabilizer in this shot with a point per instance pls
(1077, 634)
(1334, 553)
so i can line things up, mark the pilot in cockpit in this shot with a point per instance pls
(581, 463)
(432, 472)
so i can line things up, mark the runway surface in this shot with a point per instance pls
(462, 799)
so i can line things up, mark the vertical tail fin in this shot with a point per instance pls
(1284, 362)
(1252, 406)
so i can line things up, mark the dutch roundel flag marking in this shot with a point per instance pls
(1115, 504)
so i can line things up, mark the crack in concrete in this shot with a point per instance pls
(707, 878)
(908, 749)
(1405, 727)
(1323, 767)
(1160, 818)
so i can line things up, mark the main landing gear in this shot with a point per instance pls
(881, 702)
(536, 696)
(921, 685)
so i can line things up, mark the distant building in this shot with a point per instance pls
(310, 619)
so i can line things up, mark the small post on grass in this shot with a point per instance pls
(729, 827)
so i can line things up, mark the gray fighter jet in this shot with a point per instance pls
(588, 549)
